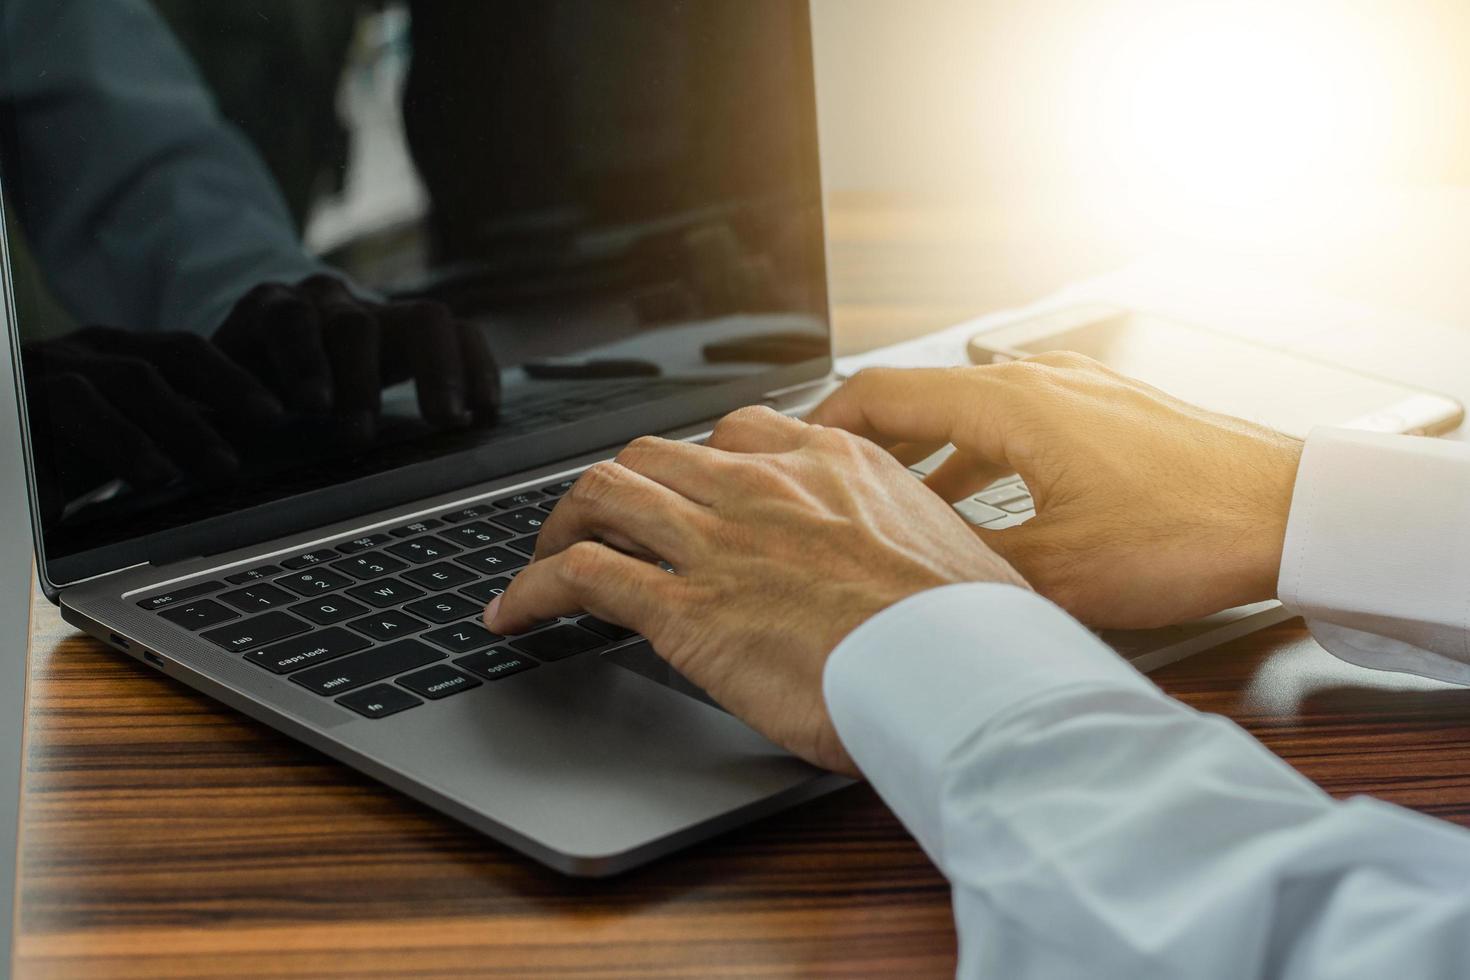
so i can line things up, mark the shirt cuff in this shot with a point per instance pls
(1377, 550)
(921, 678)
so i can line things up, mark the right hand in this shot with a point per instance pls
(1149, 511)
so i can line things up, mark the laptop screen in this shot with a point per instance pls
(353, 252)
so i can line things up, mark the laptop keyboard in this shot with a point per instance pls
(385, 622)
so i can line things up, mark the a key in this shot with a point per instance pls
(303, 651)
(257, 631)
(463, 638)
(379, 701)
(438, 681)
(421, 551)
(438, 577)
(364, 668)
(181, 595)
(527, 520)
(476, 535)
(483, 592)
(325, 612)
(365, 543)
(315, 582)
(310, 558)
(444, 608)
(558, 642)
(389, 625)
(384, 593)
(253, 575)
(257, 598)
(368, 567)
(198, 615)
(495, 664)
(493, 561)
(416, 528)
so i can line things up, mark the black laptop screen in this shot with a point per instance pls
(263, 250)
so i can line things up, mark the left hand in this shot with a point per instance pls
(785, 537)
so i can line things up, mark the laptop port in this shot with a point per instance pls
(154, 658)
(121, 642)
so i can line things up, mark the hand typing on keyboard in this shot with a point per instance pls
(785, 538)
(1150, 511)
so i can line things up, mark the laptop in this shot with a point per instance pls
(620, 202)
(15, 619)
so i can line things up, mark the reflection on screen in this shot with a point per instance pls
(308, 242)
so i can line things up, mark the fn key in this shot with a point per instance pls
(379, 701)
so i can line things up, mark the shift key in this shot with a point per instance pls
(364, 668)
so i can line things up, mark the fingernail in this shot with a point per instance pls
(491, 611)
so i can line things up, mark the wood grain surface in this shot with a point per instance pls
(166, 836)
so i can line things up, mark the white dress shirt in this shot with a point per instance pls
(1093, 827)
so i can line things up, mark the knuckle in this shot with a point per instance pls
(596, 482)
(582, 563)
(639, 449)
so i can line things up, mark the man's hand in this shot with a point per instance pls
(785, 538)
(1149, 511)
(325, 351)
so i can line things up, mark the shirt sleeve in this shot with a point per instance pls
(1377, 553)
(1092, 827)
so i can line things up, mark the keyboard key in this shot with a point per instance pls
(463, 638)
(444, 608)
(603, 628)
(557, 489)
(523, 499)
(438, 682)
(182, 595)
(558, 642)
(476, 535)
(366, 667)
(549, 506)
(493, 560)
(468, 514)
(1017, 506)
(257, 598)
(379, 701)
(438, 577)
(483, 592)
(197, 615)
(495, 664)
(421, 551)
(310, 558)
(526, 546)
(1003, 495)
(527, 520)
(258, 631)
(978, 513)
(314, 648)
(315, 582)
(367, 567)
(364, 543)
(325, 612)
(389, 625)
(254, 575)
(416, 528)
(389, 592)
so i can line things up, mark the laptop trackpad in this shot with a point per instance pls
(641, 660)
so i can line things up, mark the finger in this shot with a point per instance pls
(353, 345)
(757, 429)
(429, 337)
(962, 475)
(612, 503)
(913, 453)
(587, 577)
(695, 472)
(970, 407)
(88, 425)
(289, 331)
(481, 372)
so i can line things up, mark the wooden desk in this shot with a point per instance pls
(165, 836)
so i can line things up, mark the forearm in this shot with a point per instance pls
(1093, 827)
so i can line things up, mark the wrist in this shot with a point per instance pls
(1277, 469)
